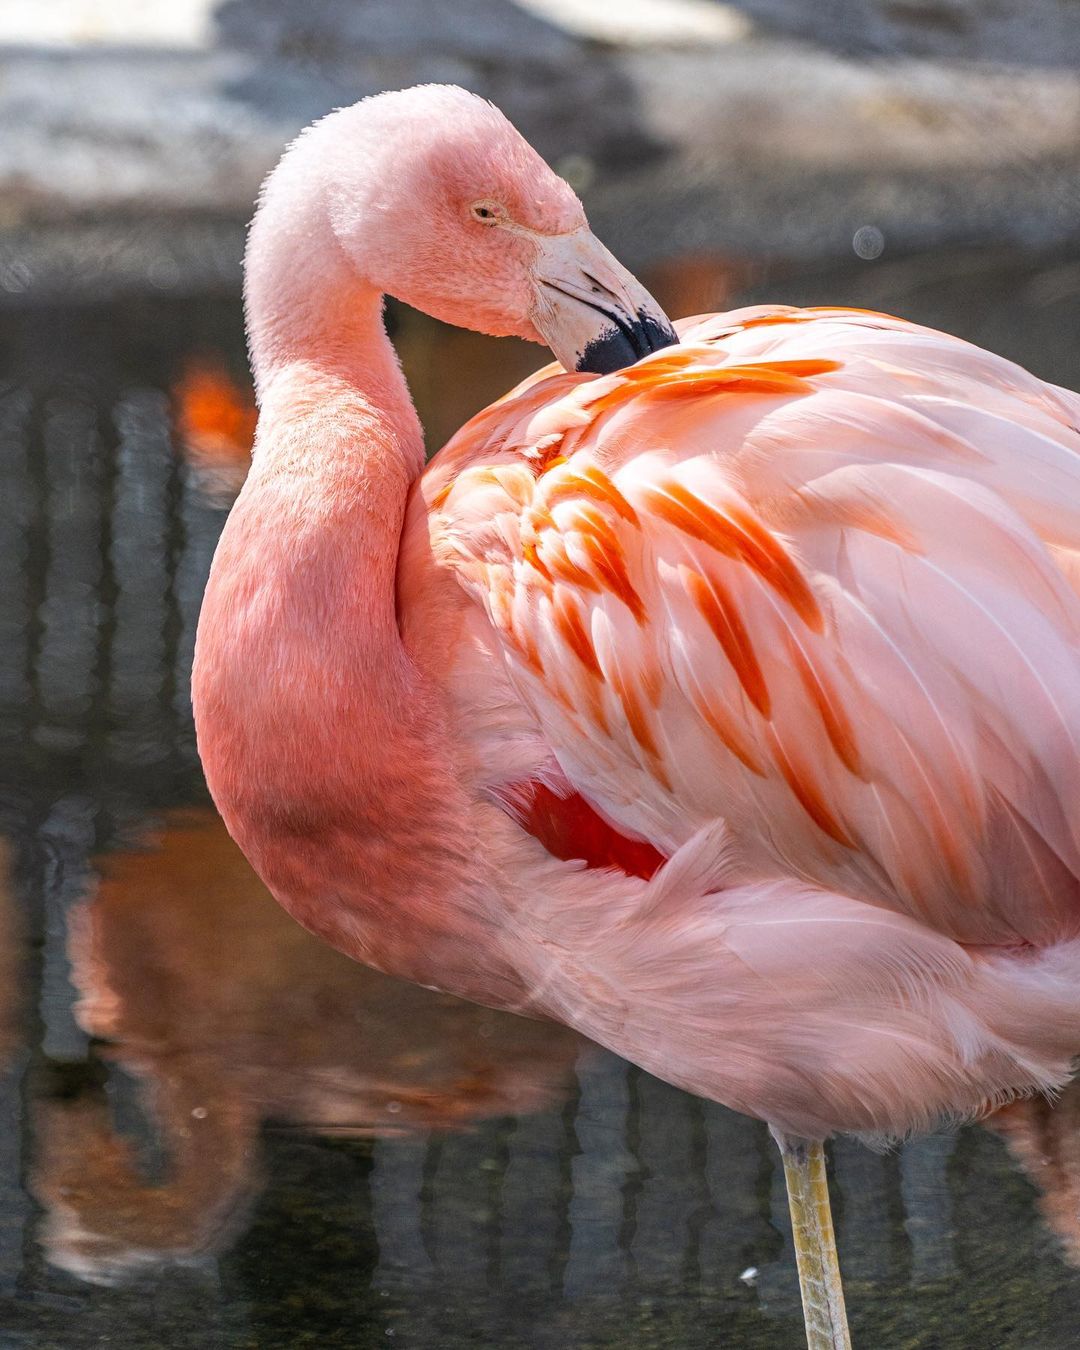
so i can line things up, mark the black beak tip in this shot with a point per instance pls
(656, 331)
(624, 343)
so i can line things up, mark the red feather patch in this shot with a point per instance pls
(568, 828)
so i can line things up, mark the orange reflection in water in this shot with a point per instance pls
(226, 1013)
(215, 424)
(1044, 1138)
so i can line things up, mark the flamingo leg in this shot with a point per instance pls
(815, 1243)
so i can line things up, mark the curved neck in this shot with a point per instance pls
(310, 313)
(338, 442)
(301, 607)
(322, 742)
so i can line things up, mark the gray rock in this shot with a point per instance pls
(925, 121)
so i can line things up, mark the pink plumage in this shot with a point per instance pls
(784, 578)
(792, 608)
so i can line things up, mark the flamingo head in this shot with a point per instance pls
(436, 199)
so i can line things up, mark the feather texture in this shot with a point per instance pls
(806, 586)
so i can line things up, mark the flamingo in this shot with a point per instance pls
(717, 695)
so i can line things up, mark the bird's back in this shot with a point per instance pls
(814, 572)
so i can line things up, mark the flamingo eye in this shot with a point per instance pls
(488, 212)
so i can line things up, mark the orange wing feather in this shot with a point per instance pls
(764, 608)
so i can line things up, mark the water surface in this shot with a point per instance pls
(216, 1132)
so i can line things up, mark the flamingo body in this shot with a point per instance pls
(724, 707)
(812, 574)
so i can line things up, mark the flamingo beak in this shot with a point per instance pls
(592, 313)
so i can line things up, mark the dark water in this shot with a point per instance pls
(216, 1132)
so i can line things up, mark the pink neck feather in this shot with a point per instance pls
(308, 306)
(321, 741)
(337, 447)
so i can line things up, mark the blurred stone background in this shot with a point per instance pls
(134, 133)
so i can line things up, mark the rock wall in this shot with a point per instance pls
(763, 128)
